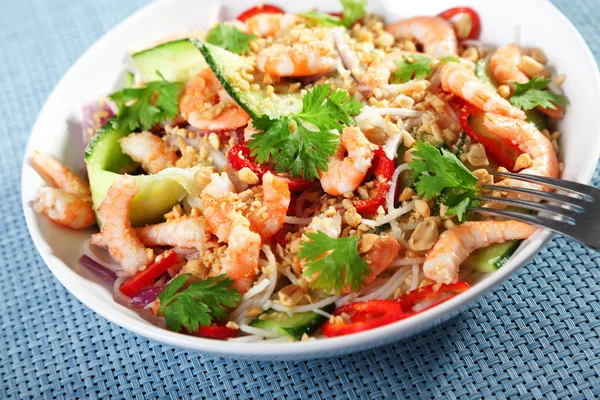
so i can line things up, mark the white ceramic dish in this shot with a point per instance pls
(101, 69)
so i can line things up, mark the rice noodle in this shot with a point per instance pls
(256, 289)
(323, 313)
(219, 159)
(346, 299)
(246, 339)
(395, 111)
(386, 290)
(392, 144)
(258, 331)
(348, 56)
(392, 193)
(288, 274)
(395, 213)
(100, 255)
(415, 277)
(296, 221)
(407, 261)
(306, 307)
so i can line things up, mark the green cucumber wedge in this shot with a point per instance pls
(294, 326)
(227, 67)
(489, 259)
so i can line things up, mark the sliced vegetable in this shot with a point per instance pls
(363, 316)
(177, 61)
(483, 72)
(475, 21)
(259, 9)
(146, 296)
(239, 157)
(295, 325)
(383, 177)
(537, 118)
(426, 297)
(227, 67)
(145, 278)
(100, 271)
(129, 79)
(215, 332)
(503, 152)
(492, 257)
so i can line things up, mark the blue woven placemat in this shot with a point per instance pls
(534, 337)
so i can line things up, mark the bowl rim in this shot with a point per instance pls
(297, 350)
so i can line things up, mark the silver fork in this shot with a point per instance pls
(575, 214)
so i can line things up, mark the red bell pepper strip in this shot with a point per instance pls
(215, 332)
(475, 20)
(364, 315)
(429, 296)
(259, 9)
(383, 179)
(503, 152)
(146, 277)
(239, 157)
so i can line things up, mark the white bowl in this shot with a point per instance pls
(101, 69)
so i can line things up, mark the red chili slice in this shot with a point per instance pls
(239, 157)
(383, 178)
(503, 152)
(215, 332)
(475, 20)
(259, 9)
(146, 277)
(364, 316)
(430, 293)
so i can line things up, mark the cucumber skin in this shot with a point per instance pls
(177, 60)
(479, 262)
(309, 328)
(482, 71)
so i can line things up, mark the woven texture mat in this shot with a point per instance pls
(534, 337)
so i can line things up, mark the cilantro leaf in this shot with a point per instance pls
(230, 38)
(334, 264)
(153, 103)
(442, 173)
(413, 67)
(322, 18)
(301, 144)
(534, 93)
(353, 10)
(199, 304)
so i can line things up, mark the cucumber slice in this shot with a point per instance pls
(129, 79)
(157, 194)
(492, 257)
(177, 61)
(482, 71)
(227, 67)
(537, 118)
(294, 326)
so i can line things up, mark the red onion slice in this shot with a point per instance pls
(98, 270)
(146, 296)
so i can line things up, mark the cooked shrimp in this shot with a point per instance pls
(60, 176)
(435, 34)
(276, 200)
(206, 105)
(380, 69)
(241, 257)
(69, 203)
(381, 255)
(504, 65)
(454, 245)
(150, 151)
(270, 24)
(300, 59)
(185, 232)
(116, 232)
(460, 80)
(218, 201)
(344, 174)
(64, 208)
(529, 140)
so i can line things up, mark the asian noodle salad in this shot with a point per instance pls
(284, 177)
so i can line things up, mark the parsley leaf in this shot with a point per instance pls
(413, 67)
(230, 38)
(301, 143)
(334, 264)
(353, 10)
(443, 174)
(534, 93)
(199, 304)
(322, 18)
(146, 109)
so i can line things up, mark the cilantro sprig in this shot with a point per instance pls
(441, 173)
(535, 93)
(353, 10)
(333, 263)
(145, 107)
(230, 38)
(413, 67)
(199, 304)
(301, 144)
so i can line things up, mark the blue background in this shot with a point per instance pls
(534, 337)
